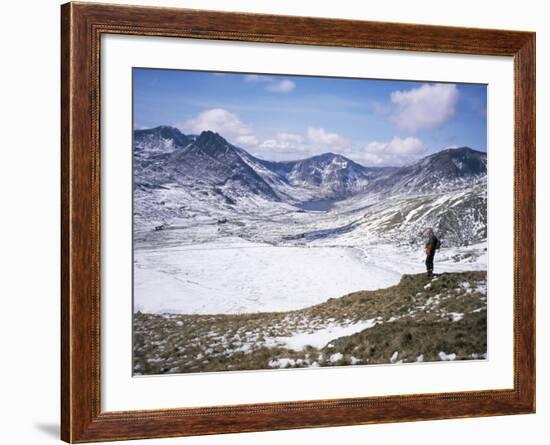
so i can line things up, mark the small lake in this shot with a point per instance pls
(319, 205)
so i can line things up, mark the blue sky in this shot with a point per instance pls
(374, 122)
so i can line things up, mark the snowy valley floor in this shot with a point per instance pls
(233, 275)
(416, 320)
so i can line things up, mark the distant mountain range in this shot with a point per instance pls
(204, 181)
(164, 155)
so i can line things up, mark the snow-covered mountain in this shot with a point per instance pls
(335, 176)
(210, 158)
(204, 178)
(446, 170)
(166, 155)
(163, 139)
(206, 161)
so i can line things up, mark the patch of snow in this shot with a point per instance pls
(432, 300)
(281, 363)
(394, 356)
(246, 348)
(466, 286)
(420, 358)
(412, 213)
(459, 164)
(481, 288)
(447, 357)
(335, 357)
(457, 316)
(320, 338)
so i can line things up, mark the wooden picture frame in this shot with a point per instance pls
(82, 25)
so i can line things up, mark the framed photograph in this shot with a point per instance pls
(274, 222)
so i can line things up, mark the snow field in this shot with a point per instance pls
(215, 278)
(233, 275)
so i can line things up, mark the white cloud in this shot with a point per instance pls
(285, 143)
(273, 84)
(281, 86)
(275, 144)
(286, 146)
(322, 137)
(395, 152)
(219, 120)
(247, 140)
(372, 159)
(407, 146)
(257, 78)
(427, 106)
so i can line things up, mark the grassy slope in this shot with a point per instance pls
(417, 319)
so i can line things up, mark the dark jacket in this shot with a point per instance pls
(431, 245)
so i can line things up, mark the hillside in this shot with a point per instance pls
(416, 320)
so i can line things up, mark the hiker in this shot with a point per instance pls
(431, 246)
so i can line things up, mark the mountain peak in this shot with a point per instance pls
(210, 136)
(328, 155)
(459, 150)
(162, 130)
(212, 143)
(160, 139)
(477, 160)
